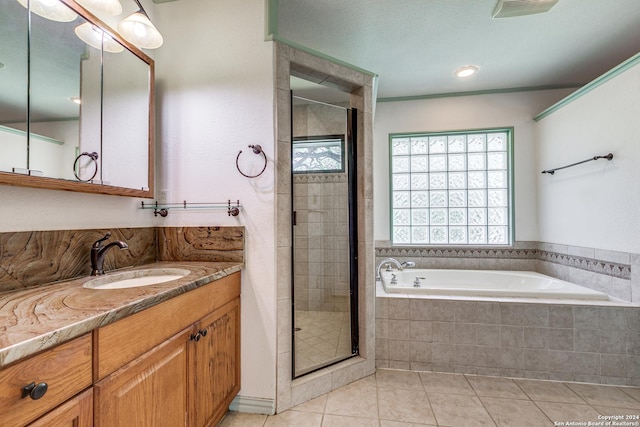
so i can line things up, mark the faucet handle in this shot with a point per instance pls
(98, 242)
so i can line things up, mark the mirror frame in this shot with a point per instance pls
(13, 179)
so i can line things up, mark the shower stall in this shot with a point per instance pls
(325, 321)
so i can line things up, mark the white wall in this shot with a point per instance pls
(596, 204)
(214, 78)
(461, 113)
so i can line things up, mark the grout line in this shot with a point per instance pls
(480, 400)
(533, 401)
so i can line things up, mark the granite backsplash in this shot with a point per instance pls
(33, 258)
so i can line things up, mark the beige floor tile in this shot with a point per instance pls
(389, 378)
(563, 412)
(549, 391)
(632, 391)
(446, 383)
(602, 395)
(353, 400)
(604, 410)
(514, 412)
(368, 381)
(388, 423)
(239, 419)
(459, 410)
(342, 421)
(294, 419)
(409, 406)
(496, 387)
(316, 405)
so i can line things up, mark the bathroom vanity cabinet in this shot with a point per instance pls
(175, 363)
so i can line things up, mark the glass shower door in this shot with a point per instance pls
(323, 231)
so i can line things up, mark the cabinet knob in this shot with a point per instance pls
(195, 337)
(34, 391)
(203, 332)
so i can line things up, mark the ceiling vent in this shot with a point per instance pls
(511, 8)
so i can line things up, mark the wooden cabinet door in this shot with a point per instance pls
(76, 412)
(215, 363)
(151, 391)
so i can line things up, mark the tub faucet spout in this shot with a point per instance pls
(387, 261)
(99, 252)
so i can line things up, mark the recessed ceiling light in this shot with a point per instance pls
(466, 71)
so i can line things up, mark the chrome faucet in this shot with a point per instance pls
(98, 253)
(401, 265)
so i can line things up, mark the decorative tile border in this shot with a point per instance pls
(621, 271)
(509, 253)
(313, 178)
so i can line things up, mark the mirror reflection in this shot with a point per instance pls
(125, 83)
(14, 26)
(69, 89)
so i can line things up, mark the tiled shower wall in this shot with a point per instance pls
(321, 257)
(321, 236)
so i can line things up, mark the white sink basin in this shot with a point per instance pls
(136, 278)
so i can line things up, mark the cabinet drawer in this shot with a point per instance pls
(66, 369)
(123, 341)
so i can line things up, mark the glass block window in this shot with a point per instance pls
(451, 188)
(322, 154)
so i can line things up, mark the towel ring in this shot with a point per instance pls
(256, 150)
(94, 157)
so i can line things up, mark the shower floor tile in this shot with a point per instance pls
(321, 337)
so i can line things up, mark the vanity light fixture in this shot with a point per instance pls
(466, 71)
(95, 37)
(108, 7)
(138, 29)
(53, 10)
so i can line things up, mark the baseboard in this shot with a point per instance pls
(253, 405)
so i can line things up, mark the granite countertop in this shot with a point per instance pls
(37, 318)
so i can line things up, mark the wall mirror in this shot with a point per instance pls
(75, 113)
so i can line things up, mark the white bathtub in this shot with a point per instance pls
(485, 283)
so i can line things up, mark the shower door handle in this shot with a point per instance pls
(295, 218)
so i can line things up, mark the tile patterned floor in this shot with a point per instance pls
(409, 399)
(323, 336)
